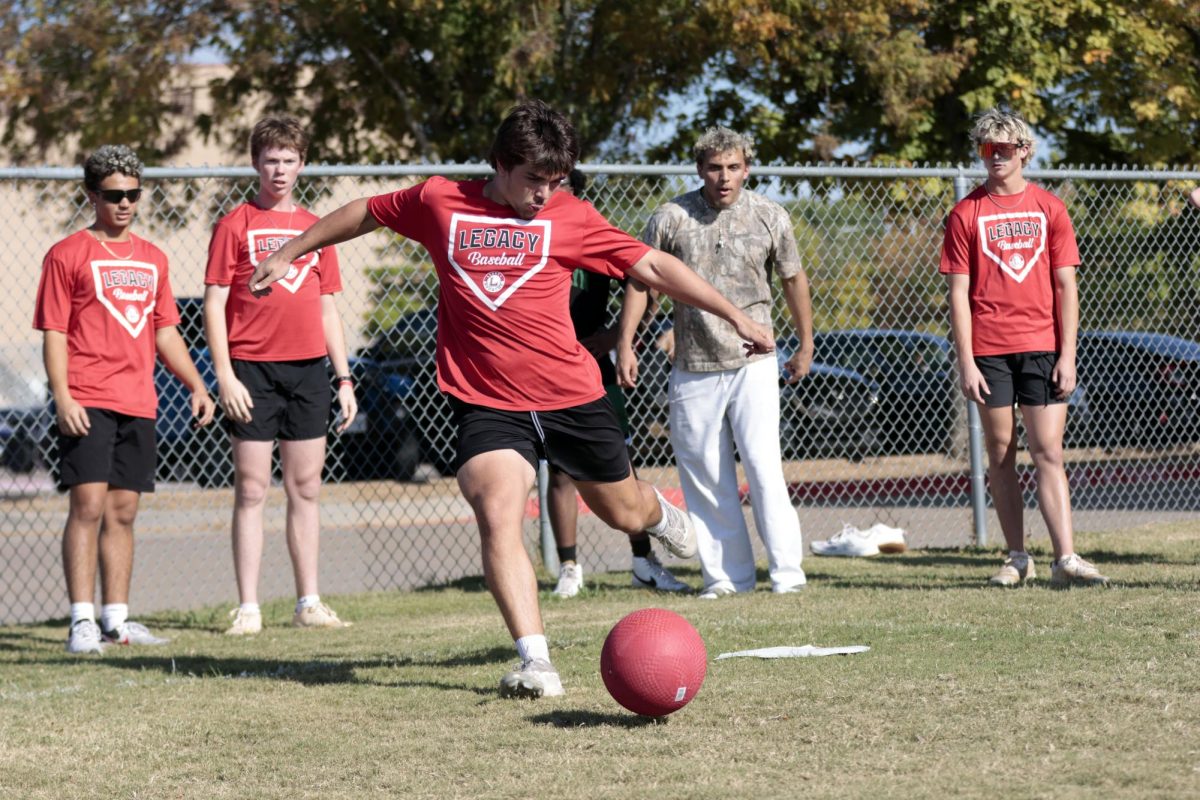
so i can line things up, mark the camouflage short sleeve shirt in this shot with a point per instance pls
(736, 250)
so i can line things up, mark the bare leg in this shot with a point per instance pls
(80, 540)
(1000, 438)
(302, 463)
(252, 476)
(629, 505)
(116, 545)
(1044, 426)
(563, 508)
(497, 484)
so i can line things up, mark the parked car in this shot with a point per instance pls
(408, 418)
(371, 448)
(1141, 389)
(831, 412)
(918, 394)
(25, 422)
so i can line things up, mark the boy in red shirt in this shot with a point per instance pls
(269, 354)
(520, 383)
(1009, 257)
(105, 306)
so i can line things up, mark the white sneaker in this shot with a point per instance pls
(318, 616)
(649, 573)
(129, 632)
(84, 637)
(678, 535)
(570, 580)
(849, 541)
(531, 679)
(716, 593)
(887, 538)
(245, 623)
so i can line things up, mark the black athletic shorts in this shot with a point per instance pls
(291, 400)
(1020, 377)
(118, 450)
(585, 442)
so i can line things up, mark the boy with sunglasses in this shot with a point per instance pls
(105, 307)
(1010, 256)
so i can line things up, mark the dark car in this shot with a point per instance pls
(370, 448)
(1140, 389)
(914, 372)
(408, 417)
(184, 451)
(830, 412)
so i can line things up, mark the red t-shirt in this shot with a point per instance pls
(284, 325)
(1010, 251)
(109, 307)
(505, 338)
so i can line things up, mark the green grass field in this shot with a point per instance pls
(967, 692)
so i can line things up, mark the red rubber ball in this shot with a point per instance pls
(653, 662)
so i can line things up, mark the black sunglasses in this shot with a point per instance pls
(115, 196)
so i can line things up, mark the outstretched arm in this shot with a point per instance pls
(348, 222)
(667, 274)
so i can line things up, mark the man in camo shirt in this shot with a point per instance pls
(721, 398)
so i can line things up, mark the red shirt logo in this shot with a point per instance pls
(1014, 241)
(128, 289)
(495, 256)
(264, 241)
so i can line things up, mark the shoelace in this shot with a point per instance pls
(845, 533)
(87, 630)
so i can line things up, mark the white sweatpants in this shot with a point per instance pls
(711, 413)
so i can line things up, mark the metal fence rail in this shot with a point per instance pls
(880, 435)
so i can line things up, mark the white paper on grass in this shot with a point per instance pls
(796, 652)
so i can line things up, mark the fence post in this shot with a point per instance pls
(974, 429)
(549, 548)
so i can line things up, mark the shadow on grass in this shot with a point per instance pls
(470, 583)
(309, 672)
(19, 639)
(583, 719)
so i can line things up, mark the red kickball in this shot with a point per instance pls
(653, 662)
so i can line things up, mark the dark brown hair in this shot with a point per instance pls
(534, 133)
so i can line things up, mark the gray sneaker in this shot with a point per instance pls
(84, 637)
(649, 573)
(129, 632)
(531, 679)
(678, 535)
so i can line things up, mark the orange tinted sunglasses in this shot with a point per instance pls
(1005, 150)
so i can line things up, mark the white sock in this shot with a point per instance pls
(533, 647)
(661, 525)
(113, 615)
(83, 611)
(1018, 555)
(250, 609)
(307, 601)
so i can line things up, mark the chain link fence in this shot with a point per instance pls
(878, 432)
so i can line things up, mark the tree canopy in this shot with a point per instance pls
(1110, 82)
